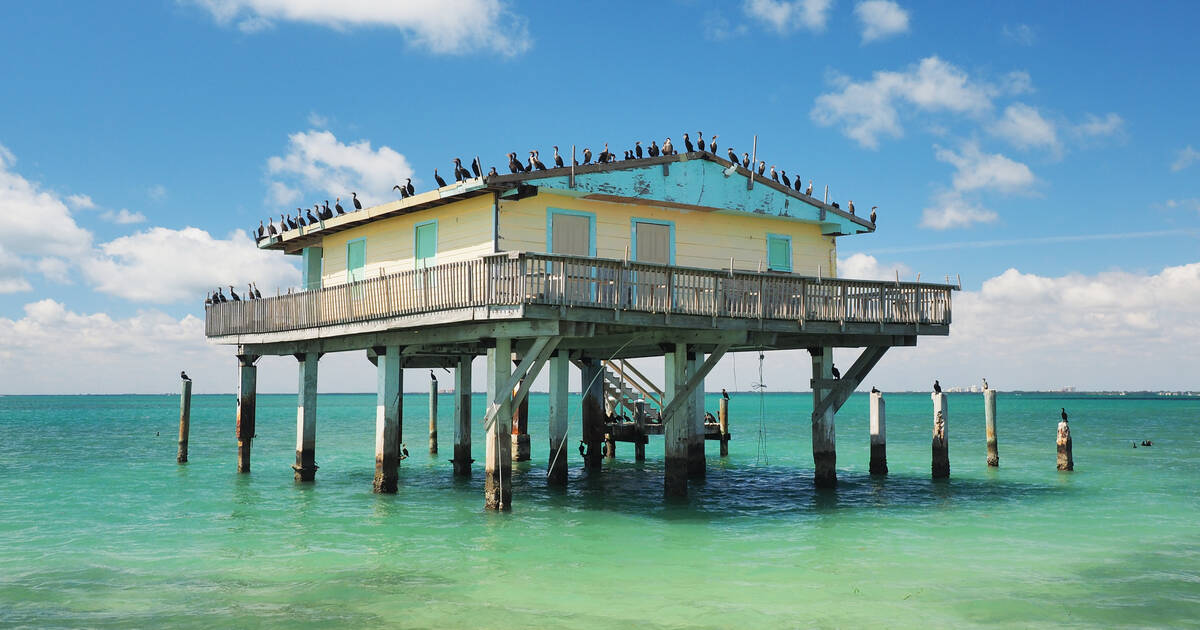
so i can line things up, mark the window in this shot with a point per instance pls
(779, 252)
(425, 244)
(356, 259)
(654, 241)
(570, 232)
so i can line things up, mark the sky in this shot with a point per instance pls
(1048, 154)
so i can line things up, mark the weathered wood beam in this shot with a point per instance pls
(515, 378)
(838, 391)
(680, 398)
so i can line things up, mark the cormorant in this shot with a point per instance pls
(458, 170)
(536, 162)
(337, 205)
(183, 375)
(874, 390)
(835, 205)
(937, 387)
(873, 214)
(432, 376)
(1064, 412)
(291, 223)
(257, 293)
(357, 204)
(700, 141)
(250, 291)
(985, 385)
(724, 394)
(628, 154)
(219, 297)
(850, 205)
(637, 148)
(300, 222)
(312, 220)
(271, 231)
(607, 156)
(403, 191)
(762, 166)
(493, 173)
(513, 165)
(774, 175)
(330, 212)
(438, 178)
(558, 161)
(408, 187)
(262, 231)
(208, 299)
(808, 191)
(667, 148)
(799, 185)
(836, 372)
(653, 150)
(323, 213)
(687, 143)
(587, 155)
(233, 295)
(745, 160)
(786, 182)
(476, 167)
(712, 144)
(732, 156)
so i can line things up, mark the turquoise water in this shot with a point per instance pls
(100, 528)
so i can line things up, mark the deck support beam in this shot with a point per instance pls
(498, 460)
(462, 417)
(387, 419)
(824, 442)
(695, 411)
(247, 382)
(306, 418)
(676, 424)
(592, 383)
(559, 372)
(520, 427)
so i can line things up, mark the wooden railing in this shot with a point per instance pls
(551, 279)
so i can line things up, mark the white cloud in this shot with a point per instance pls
(1016, 83)
(1022, 34)
(784, 16)
(717, 27)
(976, 170)
(868, 110)
(56, 269)
(1024, 127)
(316, 161)
(80, 202)
(122, 217)
(162, 266)
(1184, 158)
(866, 267)
(1191, 203)
(440, 26)
(881, 18)
(317, 121)
(951, 210)
(12, 270)
(1094, 126)
(157, 192)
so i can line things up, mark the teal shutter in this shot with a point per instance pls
(779, 253)
(426, 244)
(356, 259)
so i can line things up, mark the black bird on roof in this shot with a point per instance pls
(533, 156)
(637, 148)
(668, 148)
(183, 375)
(808, 191)
(458, 170)
(850, 204)
(357, 204)
(476, 167)
(745, 160)
(300, 218)
(261, 232)
(291, 223)
(321, 213)
(700, 141)
(587, 155)
(271, 231)
(786, 182)
(873, 214)
(762, 166)
(312, 220)
(402, 189)
(836, 372)
(408, 187)
(328, 211)
(1064, 414)
(513, 165)
(937, 387)
(558, 161)
(233, 295)
(732, 156)
(712, 144)
(799, 185)
(653, 149)
(493, 173)
(438, 178)
(774, 174)
(687, 143)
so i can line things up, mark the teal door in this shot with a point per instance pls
(425, 235)
(356, 259)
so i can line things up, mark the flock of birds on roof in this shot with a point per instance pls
(269, 228)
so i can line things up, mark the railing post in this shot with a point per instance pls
(845, 304)
(803, 302)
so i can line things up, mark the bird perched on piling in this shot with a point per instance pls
(732, 156)
(724, 394)
(687, 143)
(432, 376)
(558, 161)
(1064, 414)
(183, 375)
(667, 147)
(873, 214)
(874, 390)
(357, 204)
(937, 387)
(985, 385)
(438, 178)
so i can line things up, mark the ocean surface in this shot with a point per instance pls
(100, 528)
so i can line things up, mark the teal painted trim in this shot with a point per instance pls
(416, 244)
(311, 268)
(349, 271)
(633, 235)
(787, 240)
(591, 217)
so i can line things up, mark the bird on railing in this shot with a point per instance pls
(835, 205)
(873, 214)
(712, 144)
(249, 291)
(233, 296)
(937, 387)
(637, 149)
(808, 191)
(605, 156)
(438, 178)
(587, 155)
(687, 143)
(514, 165)
(476, 167)
(786, 182)
(667, 147)
(492, 172)
(628, 154)
(257, 295)
(558, 161)
(357, 203)
(271, 231)
(300, 222)
(283, 220)
(653, 149)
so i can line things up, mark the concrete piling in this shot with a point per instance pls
(1065, 460)
(306, 418)
(593, 412)
(462, 417)
(878, 464)
(695, 415)
(433, 411)
(497, 487)
(247, 377)
(559, 366)
(639, 421)
(677, 426)
(185, 419)
(723, 418)
(940, 465)
(824, 440)
(387, 420)
(989, 418)
(520, 428)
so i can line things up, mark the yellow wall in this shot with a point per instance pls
(464, 233)
(702, 239)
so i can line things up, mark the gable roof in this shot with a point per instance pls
(691, 181)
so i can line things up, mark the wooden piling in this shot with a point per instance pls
(723, 418)
(306, 418)
(1065, 460)
(878, 435)
(462, 417)
(559, 372)
(185, 419)
(676, 426)
(824, 440)
(639, 421)
(593, 412)
(433, 414)
(695, 411)
(497, 487)
(520, 428)
(247, 377)
(989, 419)
(387, 419)
(940, 465)
(610, 446)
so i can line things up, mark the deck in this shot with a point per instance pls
(611, 294)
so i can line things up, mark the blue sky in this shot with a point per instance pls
(1059, 141)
